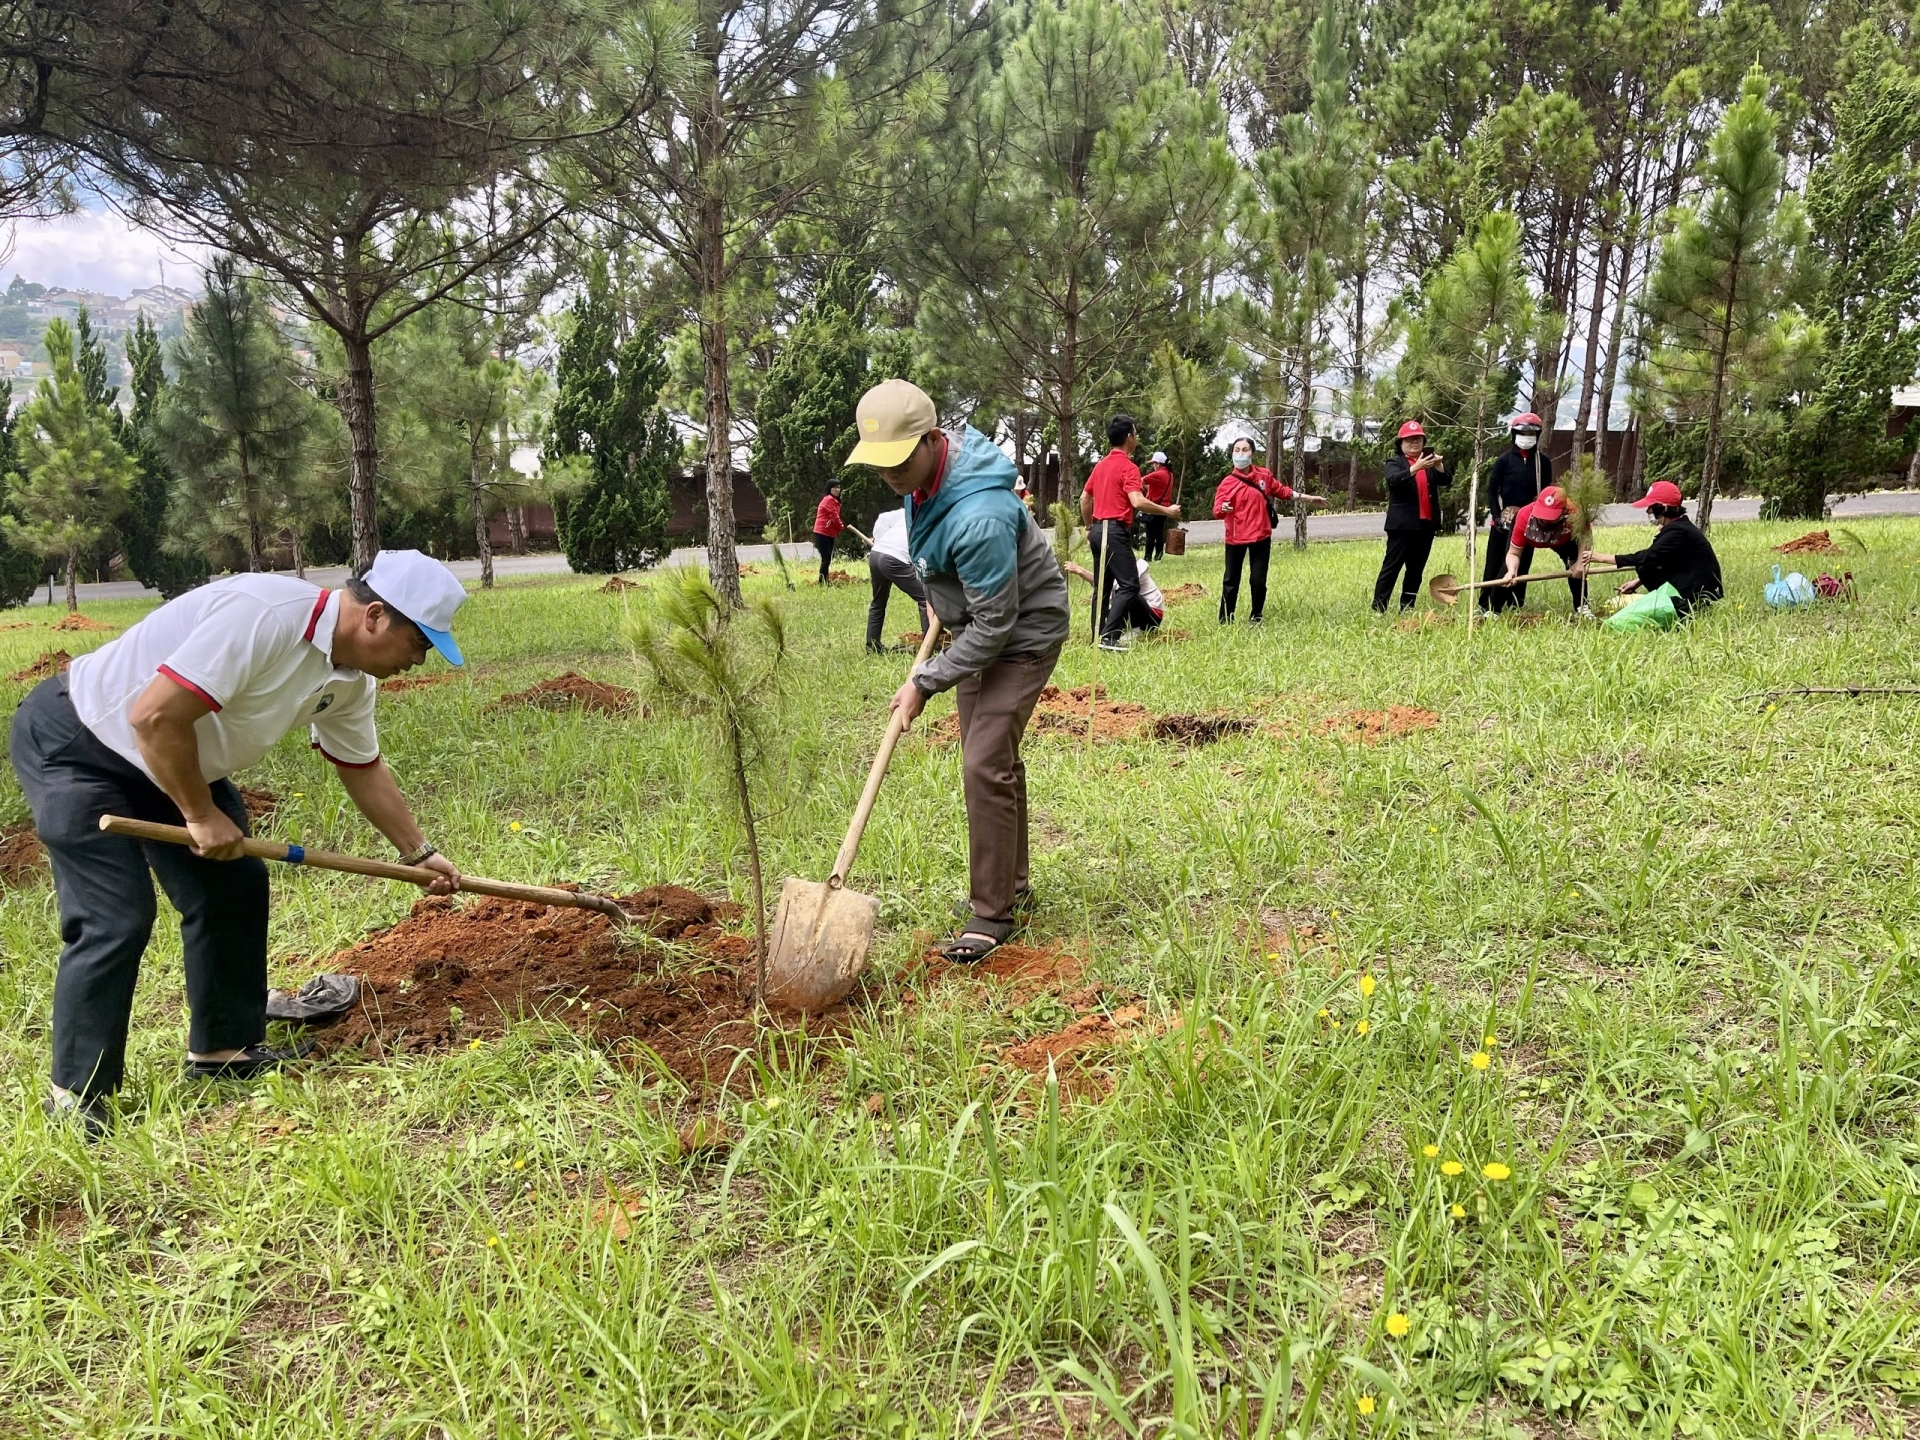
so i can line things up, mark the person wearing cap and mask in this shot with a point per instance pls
(1680, 555)
(1547, 523)
(992, 580)
(1243, 500)
(1156, 483)
(1514, 477)
(151, 726)
(1414, 479)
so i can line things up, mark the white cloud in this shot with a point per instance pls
(97, 250)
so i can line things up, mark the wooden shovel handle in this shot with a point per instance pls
(378, 869)
(843, 862)
(1501, 584)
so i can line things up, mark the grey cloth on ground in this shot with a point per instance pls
(322, 1000)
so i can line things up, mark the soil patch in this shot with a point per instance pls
(260, 804)
(571, 691)
(449, 974)
(1067, 1048)
(840, 577)
(415, 682)
(1180, 594)
(1367, 726)
(77, 621)
(1201, 729)
(22, 860)
(1065, 712)
(54, 662)
(620, 585)
(1814, 542)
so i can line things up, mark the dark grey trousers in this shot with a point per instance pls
(107, 905)
(886, 573)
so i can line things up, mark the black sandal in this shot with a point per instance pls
(249, 1064)
(967, 947)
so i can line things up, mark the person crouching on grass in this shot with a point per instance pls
(1680, 555)
(1547, 523)
(992, 580)
(1242, 500)
(1414, 479)
(151, 726)
(827, 525)
(1113, 495)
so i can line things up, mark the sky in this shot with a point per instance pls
(96, 250)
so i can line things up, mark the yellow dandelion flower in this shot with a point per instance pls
(493, 1242)
(1430, 1151)
(774, 1102)
(473, 1044)
(1480, 1060)
(1363, 1027)
(1456, 1212)
(1368, 985)
(1451, 1167)
(1495, 1171)
(1489, 1042)
(513, 825)
(1399, 1326)
(299, 794)
(1364, 1404)
(1336, 1024)
(1321, 1014)
(1273, 954)
(520, 1164)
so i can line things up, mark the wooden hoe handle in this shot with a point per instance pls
(378, 869)
(843, 862)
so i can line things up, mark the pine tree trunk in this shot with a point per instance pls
(250, 506)
(356, 406)
(709, 127)
(299, 554)
(516, 530)
(1358, 374)
(477, 491)
(73, 592)
(1581, 429)
(1473, 492)
(1301, 414)
(1913, 470)
(1616, 342)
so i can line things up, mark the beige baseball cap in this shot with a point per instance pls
(891, 418)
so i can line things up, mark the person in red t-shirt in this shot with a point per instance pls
(1108, 502)
(1156, 483)
(1241, 501)
(827, 525)
(1547, 523)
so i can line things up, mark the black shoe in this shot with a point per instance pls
(92, 1113)
(250, 1064)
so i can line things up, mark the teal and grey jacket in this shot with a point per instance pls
(989, 572)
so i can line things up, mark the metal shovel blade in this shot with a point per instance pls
(821, 935)
(1444, 589)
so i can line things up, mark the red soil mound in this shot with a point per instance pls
(1065, 1049)
(1180, 594)
(1367, 726)
(571, 691)
(448, 975)
(1065, 712)
(77, 621)
(415, 682)
(1814, 542)
(22, 861)
(839, 577)
(54, 662)
(620, 585)
(260, 804)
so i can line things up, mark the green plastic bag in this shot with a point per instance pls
(1652, 611)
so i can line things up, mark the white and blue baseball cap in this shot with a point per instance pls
(423, 590)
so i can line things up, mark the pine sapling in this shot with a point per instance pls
(722, 665)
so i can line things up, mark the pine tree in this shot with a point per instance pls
(20, 569)
(235, 422)
(610, 447)
(1475, 326)
(143, 529)
(72, 477)
(1724, 282)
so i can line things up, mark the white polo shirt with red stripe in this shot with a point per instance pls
(259, 650)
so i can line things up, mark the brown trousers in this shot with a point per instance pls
(995, 706)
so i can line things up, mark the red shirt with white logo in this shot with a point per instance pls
(1520, 519)
(1110, 483)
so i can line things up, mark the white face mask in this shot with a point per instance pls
(1243, 459)
(1526, 442)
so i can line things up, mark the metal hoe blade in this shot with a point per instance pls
(821, 935)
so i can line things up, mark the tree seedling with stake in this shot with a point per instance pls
(725, 666)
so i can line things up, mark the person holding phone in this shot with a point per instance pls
(1242, 500)
(1414, 479)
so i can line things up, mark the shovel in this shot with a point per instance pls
(379, 869)
(822, 931)
(1446, 590)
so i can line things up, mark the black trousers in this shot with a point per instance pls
(885, 572)
(1499, 541)
(1122, 587)
(1569, 554)
(106, 898)
(1255, 558)
(824, 544)
(1407, 550)
(1153, 536)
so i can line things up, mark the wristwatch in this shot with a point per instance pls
(414, 857)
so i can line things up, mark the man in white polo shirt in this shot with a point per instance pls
(151, 725)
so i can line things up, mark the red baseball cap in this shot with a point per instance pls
(1551, 503)
(1524, 421)
(1661, 492)
(1411, 430)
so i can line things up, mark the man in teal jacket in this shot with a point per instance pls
(992, 579)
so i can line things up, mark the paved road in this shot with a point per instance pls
(1363, 526)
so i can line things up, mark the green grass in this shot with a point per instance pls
(1689, 921)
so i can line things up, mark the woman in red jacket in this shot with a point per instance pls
(827, 526)
(1241, 501)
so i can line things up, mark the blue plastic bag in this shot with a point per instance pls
(1796, 589)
